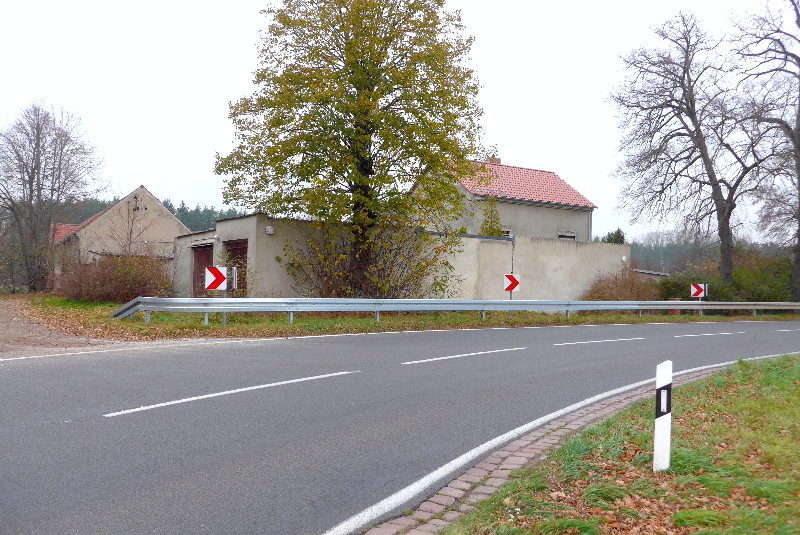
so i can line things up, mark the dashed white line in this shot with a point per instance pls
(464, 355)
(706, 334)
(597, 341)
(225, 393)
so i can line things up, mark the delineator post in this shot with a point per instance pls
(662, 436)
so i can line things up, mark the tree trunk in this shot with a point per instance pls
(725, 248)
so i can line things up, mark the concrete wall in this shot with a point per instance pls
(549, 269)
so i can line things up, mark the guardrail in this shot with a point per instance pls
(292, 305)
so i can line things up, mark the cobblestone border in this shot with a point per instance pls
(485, 478)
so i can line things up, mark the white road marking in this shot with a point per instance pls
(597, 341)
(363, 519)
(226, 393)
(786, 330)
(144, 345)
(200, 342)
(464, 355)
(706, 334)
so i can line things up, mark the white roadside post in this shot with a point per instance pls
(662, 436)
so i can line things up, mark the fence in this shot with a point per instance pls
(376, 306)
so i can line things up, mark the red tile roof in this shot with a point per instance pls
(61, 230)
(510, 182)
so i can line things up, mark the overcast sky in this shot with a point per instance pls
(151, 82)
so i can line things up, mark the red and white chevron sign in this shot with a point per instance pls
(699, 290)
(510, 282)
(216, 278)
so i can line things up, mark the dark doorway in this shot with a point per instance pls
(203, 258)
(237, 257)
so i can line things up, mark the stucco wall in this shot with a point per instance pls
(545, 222)
(549, 269)
(528, 219)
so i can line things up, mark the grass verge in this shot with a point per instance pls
(735, 467)
(95, 321)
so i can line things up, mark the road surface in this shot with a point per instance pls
(293, 436)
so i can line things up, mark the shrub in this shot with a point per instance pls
(678, 286)
(117, 279)
(755, 278)
(625, 285)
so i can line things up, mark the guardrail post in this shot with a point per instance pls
(567, 311)
(291, 316)
(483, 315)
(377, 315)
(147, 317)
(205, 319)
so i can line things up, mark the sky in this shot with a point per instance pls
(151, 82)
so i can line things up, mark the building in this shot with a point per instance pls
(136, 225)
(533, 203)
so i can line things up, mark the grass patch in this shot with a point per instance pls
(698, 518)
(94, 320)
(735, 467)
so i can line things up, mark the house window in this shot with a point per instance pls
(506, 231)
(566, 236)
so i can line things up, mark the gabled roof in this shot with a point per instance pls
(531, 185)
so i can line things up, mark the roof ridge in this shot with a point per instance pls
(515, 167)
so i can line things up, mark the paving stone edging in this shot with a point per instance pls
(485, 478)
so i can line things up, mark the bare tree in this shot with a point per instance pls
(689, 148)
(44, 164)
(774, 56)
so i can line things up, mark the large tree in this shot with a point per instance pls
(771, 45)
(690, 150)
(364, 115)
(45, 165)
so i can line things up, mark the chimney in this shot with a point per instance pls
(493, 159)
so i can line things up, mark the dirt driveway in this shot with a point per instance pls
(21, 334)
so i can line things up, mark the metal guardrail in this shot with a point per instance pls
(292, 305)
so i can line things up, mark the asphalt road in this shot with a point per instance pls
(293, 436)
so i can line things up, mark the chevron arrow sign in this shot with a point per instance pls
(510, 282)
(216, 278)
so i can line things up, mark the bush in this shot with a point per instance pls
(625, 285)
(117, 279)
(755, 278)
(679, 286)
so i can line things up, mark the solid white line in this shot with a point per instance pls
(706, 334)
(385, 506)
(144, 345)
(464, 355)
(227, 392)
(597, 341)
